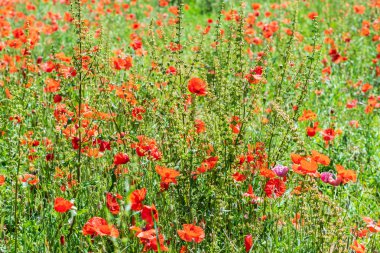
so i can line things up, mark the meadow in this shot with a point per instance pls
(190, 126)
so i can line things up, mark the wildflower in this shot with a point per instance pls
(149, 214)
(167, 176)
(62, 205)
(200, 126)
(320, 158)
(235, 124)
(191, 233)
(112, 204)
(122, 63)
(312, 15)
(239, 177)
(120, 158)
(328, 178)
(197, 86)
(29, 179)
(255, 75)
(312, 131)
(280, 170)
(250, 194)
(351, 104)
(307, 115)
(137, 113)
(99, 226)
(248, 242)
(346, 175)
(147, 147)
(372, 225)
(136, 198)
(51, 85)
(149, 239)
(328, 135)
(357, 247)
(207, 165)
(275, 188)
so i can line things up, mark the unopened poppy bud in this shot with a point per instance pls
(62, 240)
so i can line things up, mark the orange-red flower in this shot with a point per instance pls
(252, 196)
(147, 147)
(305, 166)
(207, 165)
(235, 124)
(320, 158)
(345, 175)
(197, 86)
(357, 247)
(372, 225)
(312, 131)
(149, 239)
(200, 126)
(248, 242)
(191, 233)
(307, 115)
(99, 226)
(2, 180)
(149, 214)
(122, 63)
(120, 158)
(112, 203)
(51, 85)
(136, 198)
(275, 188)
(167, 176)
(29, 179)
(62, 205)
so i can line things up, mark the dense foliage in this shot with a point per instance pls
(189, 126)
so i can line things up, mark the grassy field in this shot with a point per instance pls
(190, 126)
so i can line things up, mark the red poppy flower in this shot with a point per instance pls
(345, 175)
(320, 158)
(197, 86)
(112, 204)
(120, 158)
(255, 75)
(122, 64)
(149, 213)
(248, 242)
(312, 131)
(235, 124)
(52, 85)
(328, 135)
(149, 239)
(357, 247)
(275, 188)
(137, 113)
(200, 126)
(136, 198)
(62, 205)
(99, 226)
(167, 176)
(29, 179)
(252, 196)
(2, 180)
(147, 147)
(312, 15)
(238, 177)
(191, 233)
(307, 115)
(207, 165)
